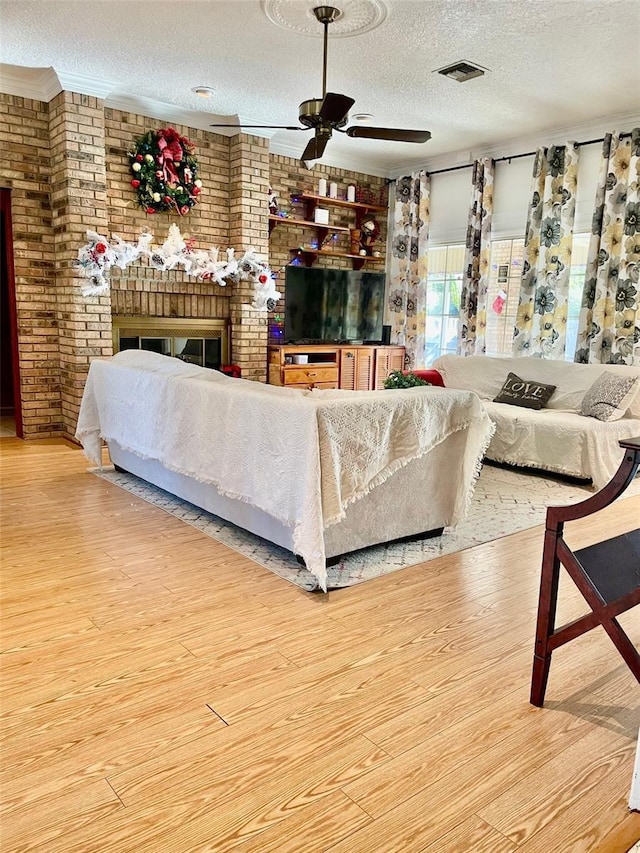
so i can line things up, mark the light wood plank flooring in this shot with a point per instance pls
(163, 694)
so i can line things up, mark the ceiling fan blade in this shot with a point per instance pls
(335, 108)
(391, 134)
(315, 148)
(272, 126)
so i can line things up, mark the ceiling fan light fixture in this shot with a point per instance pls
(462, 71)
(203, 91)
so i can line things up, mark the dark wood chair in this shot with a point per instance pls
(607, 574)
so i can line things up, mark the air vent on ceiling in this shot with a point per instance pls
(462, 71)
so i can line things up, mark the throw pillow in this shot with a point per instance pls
(609, 397)
(521, 392)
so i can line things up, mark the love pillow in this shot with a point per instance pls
(523, 392)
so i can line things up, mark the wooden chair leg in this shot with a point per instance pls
(539, 679)
(547, 601)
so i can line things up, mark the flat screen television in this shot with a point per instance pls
(331, 305)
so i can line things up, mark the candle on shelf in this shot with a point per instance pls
(351, 193)
(322, 187)
(333, 190)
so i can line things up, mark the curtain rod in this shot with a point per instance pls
(517, 156)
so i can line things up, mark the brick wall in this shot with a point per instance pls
(78, 201)
(248, 204)
(26, 169)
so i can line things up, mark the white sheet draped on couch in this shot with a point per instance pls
(557, 438)
(301, 457)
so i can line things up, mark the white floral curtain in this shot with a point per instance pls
(473, 299)
(540, 328)
(609, 330)
(408, 266)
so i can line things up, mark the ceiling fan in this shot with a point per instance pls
(331, 112)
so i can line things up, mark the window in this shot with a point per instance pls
(579, 252)
(444, 284)
(507, 257)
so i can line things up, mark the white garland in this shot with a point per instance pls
(98, 255)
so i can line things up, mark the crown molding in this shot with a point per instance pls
(38, 84)
(243, 126)
(176, 115)
(84, 85)
(157, 109)
(522, 144)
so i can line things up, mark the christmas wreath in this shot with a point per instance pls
(165, 172)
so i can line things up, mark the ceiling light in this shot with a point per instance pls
(362, 117)
(203, 91)
(462, 71)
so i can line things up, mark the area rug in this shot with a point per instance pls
(505, 501)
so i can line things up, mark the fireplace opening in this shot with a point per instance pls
(201, 342)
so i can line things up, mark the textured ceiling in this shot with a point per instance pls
(553, 65)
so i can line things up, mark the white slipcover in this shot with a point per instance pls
(302, 458)
(556, 438)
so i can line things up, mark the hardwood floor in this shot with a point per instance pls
(163, 694)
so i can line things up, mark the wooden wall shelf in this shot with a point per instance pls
(310, 256)
(361, 206)
(274, 220)
(311, 201)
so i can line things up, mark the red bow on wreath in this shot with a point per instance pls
(170, 153)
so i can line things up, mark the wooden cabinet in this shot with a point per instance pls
(352, 368)
(307, 366)
(309, 255)
(357, 368)
(388, 359)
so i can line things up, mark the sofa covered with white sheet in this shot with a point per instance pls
(320, 473)
(557, 437)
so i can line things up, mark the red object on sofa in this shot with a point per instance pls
(231, 370)
(432, 376)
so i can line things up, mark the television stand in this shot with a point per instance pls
(351, 367)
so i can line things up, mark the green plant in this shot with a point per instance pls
(399, 379)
